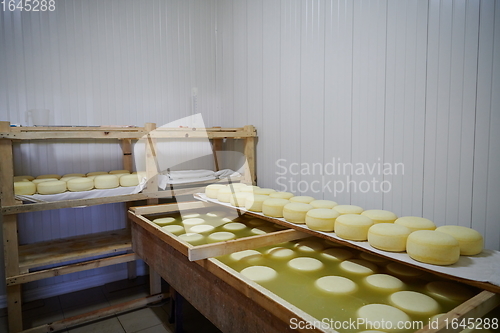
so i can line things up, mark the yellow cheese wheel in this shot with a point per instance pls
(224, 194)
(281, 195)
(295, 212)
(51, 187)
(106, 181)
(79, 184)
(415, 303)
(353, 227)
(280, 253)
(433, 247)
(129, 180)
(259, 273)
(470, 241)
(305, 264)
(380, 216)
(234, 226)
(336, 285)
(74, 175)
(212, 190)
(274, 207)
(237, 256)
(384, 283)
(238, 199)
(337, 254)
(193, 238)
(415, 223)
(174, 229)
(203, 229)
(49, 176)
(348, 209)
(382, 316)
(163, 221)
(449, 290)
(249, 188)
(38, 181)
(188, 223)
(302, 199)
(323, 204)
(96, 173)
(21, 178)
(24, 188)
(309, 245)
(388, 236)
(221, 236)
(358, 266)
(114, 172)
(321, 219)
(237, 187)
(254, 202)
(263, 191)
(262, 230)
(66, 179)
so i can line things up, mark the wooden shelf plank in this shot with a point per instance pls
(73, 248)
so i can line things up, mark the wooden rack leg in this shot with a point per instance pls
(11, 256)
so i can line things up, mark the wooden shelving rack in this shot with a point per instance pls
(115, 245)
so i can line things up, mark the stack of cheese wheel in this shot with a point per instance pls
(321, 219)
(254, 202)
(302, 199)
(388, 236)
(323, 204)
(380, 216)
(22, 178)
(24, 188)
(353, 226)
(433, 247)
(49, 176)
(129, 180)
(348, 209)
(106, 181)
(212, 190)
(295, 212)
(224, 194)
(470, 241)
(281, 195)
(274, 207)
(51, 187)
(79, 184)
(238, 199)
(415, 223)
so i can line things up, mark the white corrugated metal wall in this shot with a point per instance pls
(333, 82)
(325, 82)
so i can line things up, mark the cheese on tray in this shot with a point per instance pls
(129, 180)
(295, 212)
(380, 216)
(323, 204)
(348, 209)
(106, 181)
(336, 285)
(281, 195)
(433, 247)
(49, 176)
(353, 226)
(24, 188)
(212, 190)
(274, 207)
(470, 241)
(51, 187)
(302, 199)
(79, 184)
(415, 223)
(321, 219)
(388, 237)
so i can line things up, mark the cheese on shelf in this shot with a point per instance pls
(388, 237)
(321, 219)
(49, 176)
(302, 199)
(224, 194)
(74, 175)
(80, 184)
(281, 195)
(96, 173)
(115, 172)
(295, 212)
(51, 187)
(24, 188)
(415, 223)
(212, 190)
(380, 216)
(254, 202)
(238, 199)
(263, 191)
(21, 178)
(470, 241)
(433, 247)
(348, 209)
(353, 227)
(323, 204)
(129, 180)
(274, 207)
(106, 181)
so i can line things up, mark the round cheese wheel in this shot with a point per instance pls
(259, 273)
(239, 199)
(337, 254)
(193, 238)
(305, 264)
(189, 223)
(295, 212)
(212, 190)
(274, 207)
(42, 180)
(106, 181)
(249, 188)
(470, 241)
(254, 202)
(348, 209)
(236, 256)
(49, 176)
(263, 191)
(384, 283)
(388, 237)
(302, 199)
(358, 266)
(163, 221)
(51, 187)
(202, 229)
(66, 179)
(129, 180)
(80, 184)
(174, 229)
(24, 188)
(380, 216)
(224, 194)
(414, 303)
(449, 290)
(221, 236)
(96, 173)
(280, 253)
(74, 175)
(262, 230)
(309, 245)
(114, 172)
(382, 316)
(237, 187)
(321, 219)
(234, 226)
(353, 227)
(433, 247)
(336, 285)
(415, 223)
(403, 271)
(329, 204)
(281, 195)
(21, 178)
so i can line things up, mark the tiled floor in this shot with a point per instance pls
(152, 319)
